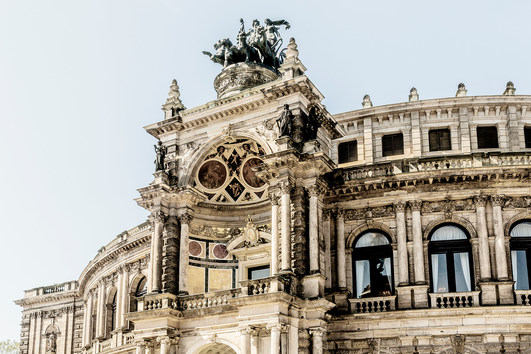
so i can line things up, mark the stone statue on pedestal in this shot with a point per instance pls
(51, 343)
(161, 155)
(284, 122)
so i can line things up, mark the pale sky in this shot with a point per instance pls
(79, 79)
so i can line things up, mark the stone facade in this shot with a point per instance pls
(382, 230)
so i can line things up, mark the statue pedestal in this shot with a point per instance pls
(284, 143)
(238, 77)
(161, 177)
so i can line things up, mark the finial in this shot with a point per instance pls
(366, 103)
(509, 89)
(413, 95)
(292, 53)
(461, 90)
(173, 102)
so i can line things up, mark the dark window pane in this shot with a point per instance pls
(487, 137)
(527, 134)
(440, 140)
(439, 273)
(348, 151)
(392, 144)
(520, 274)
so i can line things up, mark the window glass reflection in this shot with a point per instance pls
(439, 273)
(520, 273)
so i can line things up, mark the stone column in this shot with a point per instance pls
(275, 338)
(497, 218)
(401, 240)
(125, 295)
(119, 297)
(418, 247)
(255, 341)
(245, 338)
(313, 191)
(340, 250)
(156, 252)
(284, 329)
(100, 310)
(317, 340)
(141, 347)
(286, 226)
(328, 256)
(274, 235)
(87, 323)
(170, 256)
(164, 345)
(483, 238)
(185, 220)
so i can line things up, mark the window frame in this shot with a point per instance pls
(527, 137)
(449, 248)
(259, 267)
(521, 243)
(372, 254)
(485, 127)
(393, 151)
(439, 138)
(348, 150)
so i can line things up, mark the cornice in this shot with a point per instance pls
(55, 297)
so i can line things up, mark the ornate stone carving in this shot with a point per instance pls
(314, 190)
(185, 218)
(286, 187)
(458, 343)
(497, 200)
(374, 345)
(400, 207)
(251, 234)
(415, 205)
(517, 202)
(480, 200)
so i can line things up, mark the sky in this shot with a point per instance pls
(79, 79)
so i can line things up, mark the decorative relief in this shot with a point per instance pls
(227, 174)
(517, 202)
(251, 234)
(497, 200)
(368, 213)
(448, 206)
(458, 343)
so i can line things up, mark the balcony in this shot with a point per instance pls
(373, 304)
(523, 297)
(200, 301)
(454, 300)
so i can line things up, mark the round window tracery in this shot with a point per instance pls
(227, 173)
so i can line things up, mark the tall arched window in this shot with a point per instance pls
(139, 291)
(373, 268)
(521, 254)
(450, 260)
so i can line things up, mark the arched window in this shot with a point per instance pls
(373, 268)
(450, 260)
(139, 291)
(520, 254)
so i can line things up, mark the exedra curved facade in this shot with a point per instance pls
(278, 227)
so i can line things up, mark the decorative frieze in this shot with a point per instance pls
(517, 202)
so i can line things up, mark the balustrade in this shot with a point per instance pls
(523, 297)
(454, 300)
(373, 304)
(218, 298)
(265, 285)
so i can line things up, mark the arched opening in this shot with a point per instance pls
(217, 348)
(521, 253)
(373, 265)
(111, 312)
(139, 289)
(450, 259)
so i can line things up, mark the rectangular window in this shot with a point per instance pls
(348, 151)
(440, 140)
(527, 135)
(258, 272)
(393, 144)
(487, 137)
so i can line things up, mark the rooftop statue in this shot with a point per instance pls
(259, 45)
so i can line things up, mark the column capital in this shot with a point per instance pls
(340, 213)
(286, 187)
(415, 205)
(497, 200)
(167, 340)
(185, 218)
(274, 199)
(400, 207)
(314, 190)
(480, 200)
(245, 331)
(326, 214)
(316, 332)
(157, 217)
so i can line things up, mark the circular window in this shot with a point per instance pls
(212, 174)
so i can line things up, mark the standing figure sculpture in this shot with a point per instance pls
(51, 343)
(274, 40)
(284, 122)
(161, 155)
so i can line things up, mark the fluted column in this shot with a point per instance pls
(125, 296)
(418, 247)
(119, 297)
(286, 226)
(483, 237)
(340, 250)
(401, 240)
(313, 191)
(275, 338)
(245, 340)
(274, 235)
(317, 340)
(158, 220)
(185, 220)
(499, 242)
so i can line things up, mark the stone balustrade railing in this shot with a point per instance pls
(158, 301)
(213, 299)
(373, 304)
(265, 285)
(491, 159)
(523, 297)
(454, 300)
(128, 338)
